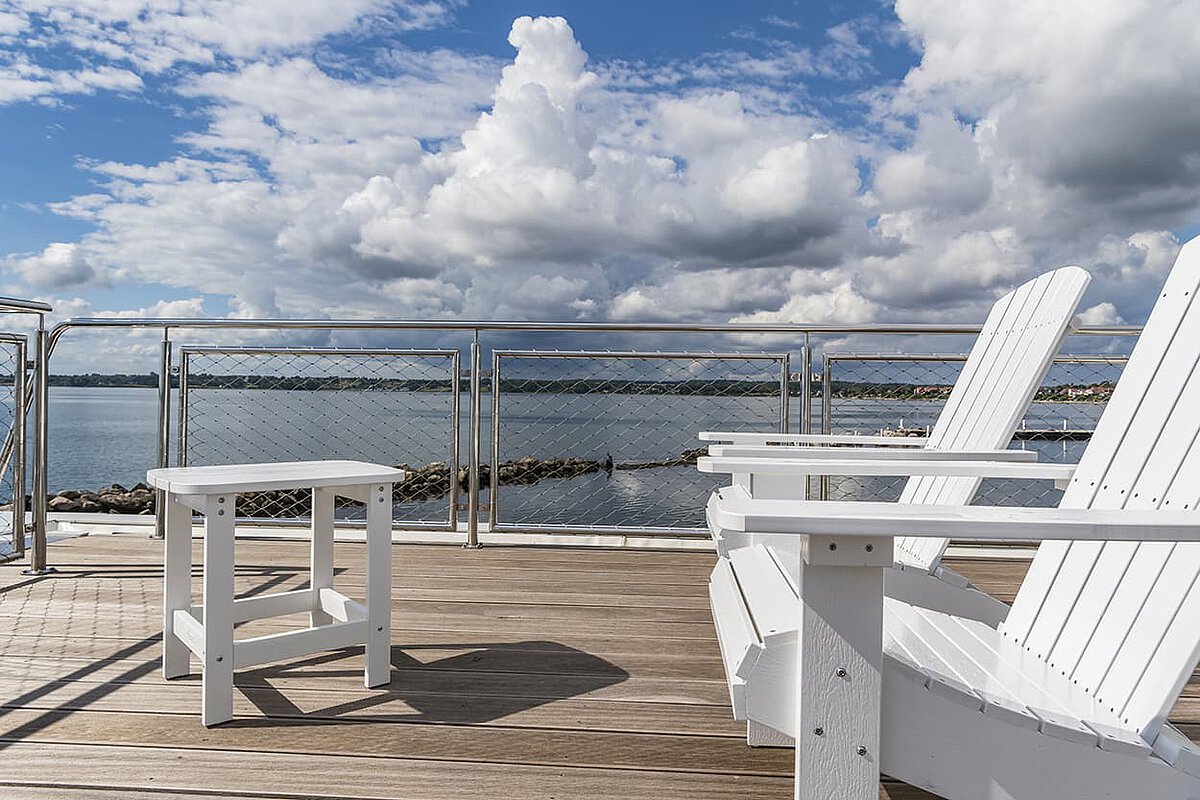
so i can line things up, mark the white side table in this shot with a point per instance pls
(336, 620)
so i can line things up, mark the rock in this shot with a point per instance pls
(63, 505)
(115, 488)
(127, 503)
(87, 506)
(70, 494)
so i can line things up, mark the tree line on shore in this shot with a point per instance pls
(866, 390)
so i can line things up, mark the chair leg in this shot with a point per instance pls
(839, 669)
(177, 585)
(759, 735)
(379, 586)
(217, 692)
(321, 566)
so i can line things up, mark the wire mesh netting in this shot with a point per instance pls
(608, 440)
(396, 407)
(901, 395)
(10, 373)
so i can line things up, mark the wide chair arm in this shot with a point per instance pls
(871, 519)
(933, 467)
(803, 439)
(869, 453)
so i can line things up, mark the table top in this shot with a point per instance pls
(233, 478)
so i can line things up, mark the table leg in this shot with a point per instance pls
(839, 669)
(379, 585)
(217, 690)
(322, 553)
(177, 584)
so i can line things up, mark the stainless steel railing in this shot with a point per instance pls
(12, 456)
(913, 387)
(799, 339)
(268, 389)
(650, 401)
(14, 449)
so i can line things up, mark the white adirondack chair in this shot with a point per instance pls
(1018, 342)
(1016, 345)
(1015, 348)
(1069, 697)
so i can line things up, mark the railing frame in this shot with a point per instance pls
(13, 455)
(833, 357)
(17, 450)
(783, 359)
(48, 340)
(452, 358)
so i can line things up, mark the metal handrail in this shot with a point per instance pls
(47, 341)
(16, 305)
(547, 327)
(1074, 358)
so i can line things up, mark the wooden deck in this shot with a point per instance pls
(520, 673)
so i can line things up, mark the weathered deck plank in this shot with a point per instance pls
(520, 672)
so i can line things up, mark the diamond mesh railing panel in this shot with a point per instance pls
(1058, 425)
(595, 440)
(869, 396)
(905, 394)
(10, 366)
(397, 407)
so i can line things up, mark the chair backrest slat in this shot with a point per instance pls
(1006, 366)
(1120, 618)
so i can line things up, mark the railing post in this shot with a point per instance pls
(455, 435)
(785, 401)
(806, 387)
(826, 412)
(18, 462)
(37, 558)
(473, 464)
(494, 473)
(806, 403)
(181, 423)
(164, 431)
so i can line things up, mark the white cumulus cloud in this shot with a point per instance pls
(147, 37)
(62, 265)
(549, 174)
(435, 183)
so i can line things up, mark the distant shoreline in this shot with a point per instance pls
(1066, 393)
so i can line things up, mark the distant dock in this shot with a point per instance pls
(1021, 434)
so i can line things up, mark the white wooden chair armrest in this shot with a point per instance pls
(868, 453)
(854, 466)
(830, 518)
(731, 437)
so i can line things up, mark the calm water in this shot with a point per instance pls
(100, 436)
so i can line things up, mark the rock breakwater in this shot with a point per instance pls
(428, 482)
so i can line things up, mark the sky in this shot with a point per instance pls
(761, 161)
